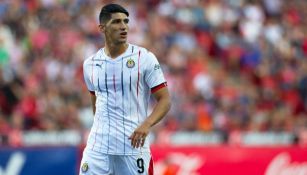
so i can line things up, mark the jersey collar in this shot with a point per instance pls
(118, 57)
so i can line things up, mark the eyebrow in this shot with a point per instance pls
(119, 19)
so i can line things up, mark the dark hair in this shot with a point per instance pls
(107, 10)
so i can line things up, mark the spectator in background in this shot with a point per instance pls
(209, 58)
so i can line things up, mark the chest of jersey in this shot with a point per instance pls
(119, 75)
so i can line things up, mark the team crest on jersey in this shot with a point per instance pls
(84, 167)
(130, 63)
(157, 66)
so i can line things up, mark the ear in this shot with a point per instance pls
(101, 27)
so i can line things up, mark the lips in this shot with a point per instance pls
(123, 33)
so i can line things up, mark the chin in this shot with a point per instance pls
(122, 41)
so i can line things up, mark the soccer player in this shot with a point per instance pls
(120, 78)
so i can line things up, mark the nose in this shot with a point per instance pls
(123, 26)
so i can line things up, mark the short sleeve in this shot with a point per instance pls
(153, 73)
(87, 76)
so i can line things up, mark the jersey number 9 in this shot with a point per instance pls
(140, 164)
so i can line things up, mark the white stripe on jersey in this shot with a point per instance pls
(122, 87)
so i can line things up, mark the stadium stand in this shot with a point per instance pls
(236, 69)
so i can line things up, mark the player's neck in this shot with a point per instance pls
(114, 51)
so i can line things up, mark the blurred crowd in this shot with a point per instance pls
(231, 65)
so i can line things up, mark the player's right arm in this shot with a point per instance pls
(88, 79)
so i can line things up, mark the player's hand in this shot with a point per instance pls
(139, 135)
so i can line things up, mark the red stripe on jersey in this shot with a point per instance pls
(150, 168)
(156, 88)
(137, 86)
(92, 92)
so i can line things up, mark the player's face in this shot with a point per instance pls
(116, 29)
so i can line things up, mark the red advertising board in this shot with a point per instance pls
(227, 160)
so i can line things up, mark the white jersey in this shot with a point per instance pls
(122, 87)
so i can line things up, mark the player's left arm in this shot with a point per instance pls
(162, 107)
(159, 111)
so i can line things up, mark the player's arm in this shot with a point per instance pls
(162, 107)
(88, 79)
(93, 100)
(159, 111)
